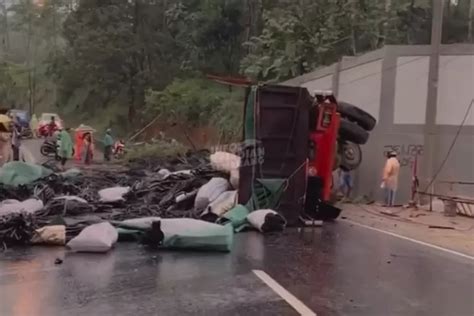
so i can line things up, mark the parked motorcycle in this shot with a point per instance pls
(50, 148)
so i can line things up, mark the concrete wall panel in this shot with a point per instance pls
(361, 86)
(455, 90)
(323, 83)
(411, 89)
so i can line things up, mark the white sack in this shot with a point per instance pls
(266, 220)
(95, 238)
(222, 161)
(209, 192)
(164, 173)
(113, 194)
(226, 201)
(235, 178)
(227, 162)
(13, 206)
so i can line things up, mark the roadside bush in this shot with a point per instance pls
(156, 150)
(199, 102)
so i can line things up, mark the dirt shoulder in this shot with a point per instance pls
(416, 224)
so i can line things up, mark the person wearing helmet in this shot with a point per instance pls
(390, 178)
(108, 143)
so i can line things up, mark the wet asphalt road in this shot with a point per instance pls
(339, 269)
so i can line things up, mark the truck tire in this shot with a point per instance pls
(350, 131)
(357, 115)
(351, 156)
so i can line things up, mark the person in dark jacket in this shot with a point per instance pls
(16, 139)
(108, 144)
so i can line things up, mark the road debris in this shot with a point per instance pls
(93, 209)
(441, 227)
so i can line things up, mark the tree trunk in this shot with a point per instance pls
(6, 39)
(471, 22)
(353, 29)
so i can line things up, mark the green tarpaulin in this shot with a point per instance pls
(182, 233)
(266, 194)
(19, 173)
(237, 217)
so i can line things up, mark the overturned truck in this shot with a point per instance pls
(293, 141)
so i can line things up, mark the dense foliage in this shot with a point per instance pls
(121, 62)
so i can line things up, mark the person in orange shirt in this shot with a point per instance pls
(391, 172)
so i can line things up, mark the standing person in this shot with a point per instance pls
(390, 178)
(108, 143)
(87, 148)
(16, 139)
(65, 146)
(4, 147)
(52, 126)
(345, 182)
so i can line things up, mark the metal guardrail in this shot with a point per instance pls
(464, 206)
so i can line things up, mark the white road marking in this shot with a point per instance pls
(412, 240)
(284, 294)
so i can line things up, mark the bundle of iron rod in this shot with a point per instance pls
(151, 194)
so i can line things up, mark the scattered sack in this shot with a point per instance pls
(193, 234)
(50, 235)
(235, 178)
(209, 192)
(227, 162)
(237, 216)
(164, 173)
(113, 194)
(13, 206)
(95, 238)
(219, 206)
(266, 221)
(223, 161)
